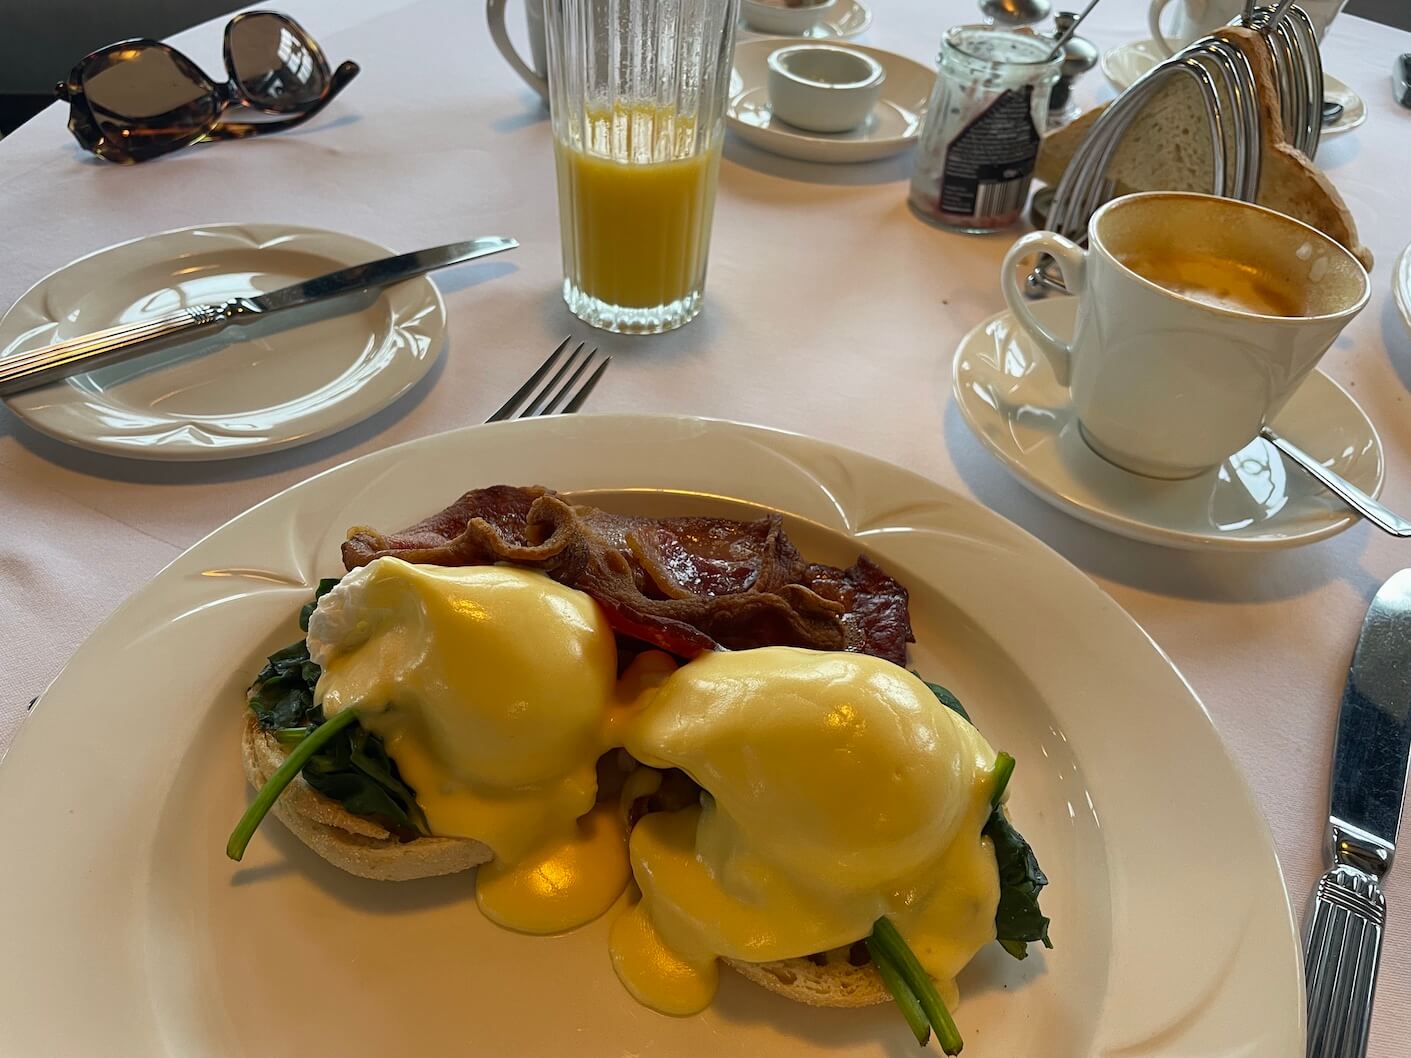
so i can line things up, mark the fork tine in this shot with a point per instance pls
(537, 405)
(566, 390)
(577, 402)
(503, 412)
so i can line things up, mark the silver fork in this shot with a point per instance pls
(551, 397)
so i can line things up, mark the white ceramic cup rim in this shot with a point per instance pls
(875, 75)
(1328, 242)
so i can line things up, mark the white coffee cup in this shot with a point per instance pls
(1169, 384)
(535, 72)
(1196, 18)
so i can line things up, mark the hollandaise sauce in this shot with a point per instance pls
(489, 686)
(834, 788)
(838, 791)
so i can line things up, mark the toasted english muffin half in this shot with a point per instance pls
(837, 983)
(356, 845)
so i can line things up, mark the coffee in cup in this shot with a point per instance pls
(1198, 318)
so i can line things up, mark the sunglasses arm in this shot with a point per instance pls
(239, 130)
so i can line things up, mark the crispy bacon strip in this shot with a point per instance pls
(685, 585)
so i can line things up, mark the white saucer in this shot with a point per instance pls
(1123, 64)
(1254, 501)
(893, 126)
(236, 393)
(847, 18)
(1401, 286)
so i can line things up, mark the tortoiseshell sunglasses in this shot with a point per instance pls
(137, 99)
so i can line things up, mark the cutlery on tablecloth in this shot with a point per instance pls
(1344, 936)
(38, 367)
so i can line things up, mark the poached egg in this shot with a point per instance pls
(489, 686)
(837, 789)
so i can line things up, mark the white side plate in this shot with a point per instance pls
(245, 391)
(127, 931)
(894, 125)
(847, 18)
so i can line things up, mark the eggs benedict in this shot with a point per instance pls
(821, 821)
(487, 686)
(836, 791)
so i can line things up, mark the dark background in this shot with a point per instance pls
(40, 40)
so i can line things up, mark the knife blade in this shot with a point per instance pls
(38, 367)
(1370, 757)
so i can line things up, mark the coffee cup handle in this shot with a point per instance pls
(495, 15)
(1153, 21)
(1073, 264)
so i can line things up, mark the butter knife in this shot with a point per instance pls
(38, 367)
(1344, 939)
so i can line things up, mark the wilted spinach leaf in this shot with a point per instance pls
(354, 768)
(1018, 920)
(947, 699)
(324, 587)
(283, 692)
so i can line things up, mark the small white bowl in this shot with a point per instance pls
(822, 87)
(785, 21)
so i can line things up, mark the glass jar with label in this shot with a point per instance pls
(976, 156)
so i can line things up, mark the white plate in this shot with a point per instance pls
(1255, 500)
(1401, 286)
(1123, 64)
(847, 18)
(274, 384)
(127, 931)
(893, 126)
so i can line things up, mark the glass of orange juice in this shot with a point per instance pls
(637, 91)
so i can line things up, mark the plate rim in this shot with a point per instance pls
(433, 326)
(1140, 530)
(1401, 286)
(1288, 999)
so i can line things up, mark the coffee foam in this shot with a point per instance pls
(1326, 279)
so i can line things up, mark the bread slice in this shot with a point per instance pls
(838, 983)
(1167, 148)
(358, 846)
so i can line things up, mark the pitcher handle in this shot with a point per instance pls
(1153, 21)
(1073, 264)
(495, 15)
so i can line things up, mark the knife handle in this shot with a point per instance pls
(1341, 954)
(52, 362)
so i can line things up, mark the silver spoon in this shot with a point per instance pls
(1382, 517)
(1015, 12)
(1331, 112)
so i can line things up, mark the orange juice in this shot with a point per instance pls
(635, 208)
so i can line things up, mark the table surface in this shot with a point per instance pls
(831, 311)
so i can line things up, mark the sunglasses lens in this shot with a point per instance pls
(275, 64)
(146, 99)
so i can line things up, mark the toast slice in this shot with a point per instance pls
(1167, 148)
(358, 846)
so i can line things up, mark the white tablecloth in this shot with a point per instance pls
(831, 310)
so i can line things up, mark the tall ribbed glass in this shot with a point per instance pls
(637, 92)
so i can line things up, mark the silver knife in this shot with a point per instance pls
(37, 367)
(1344, 939)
